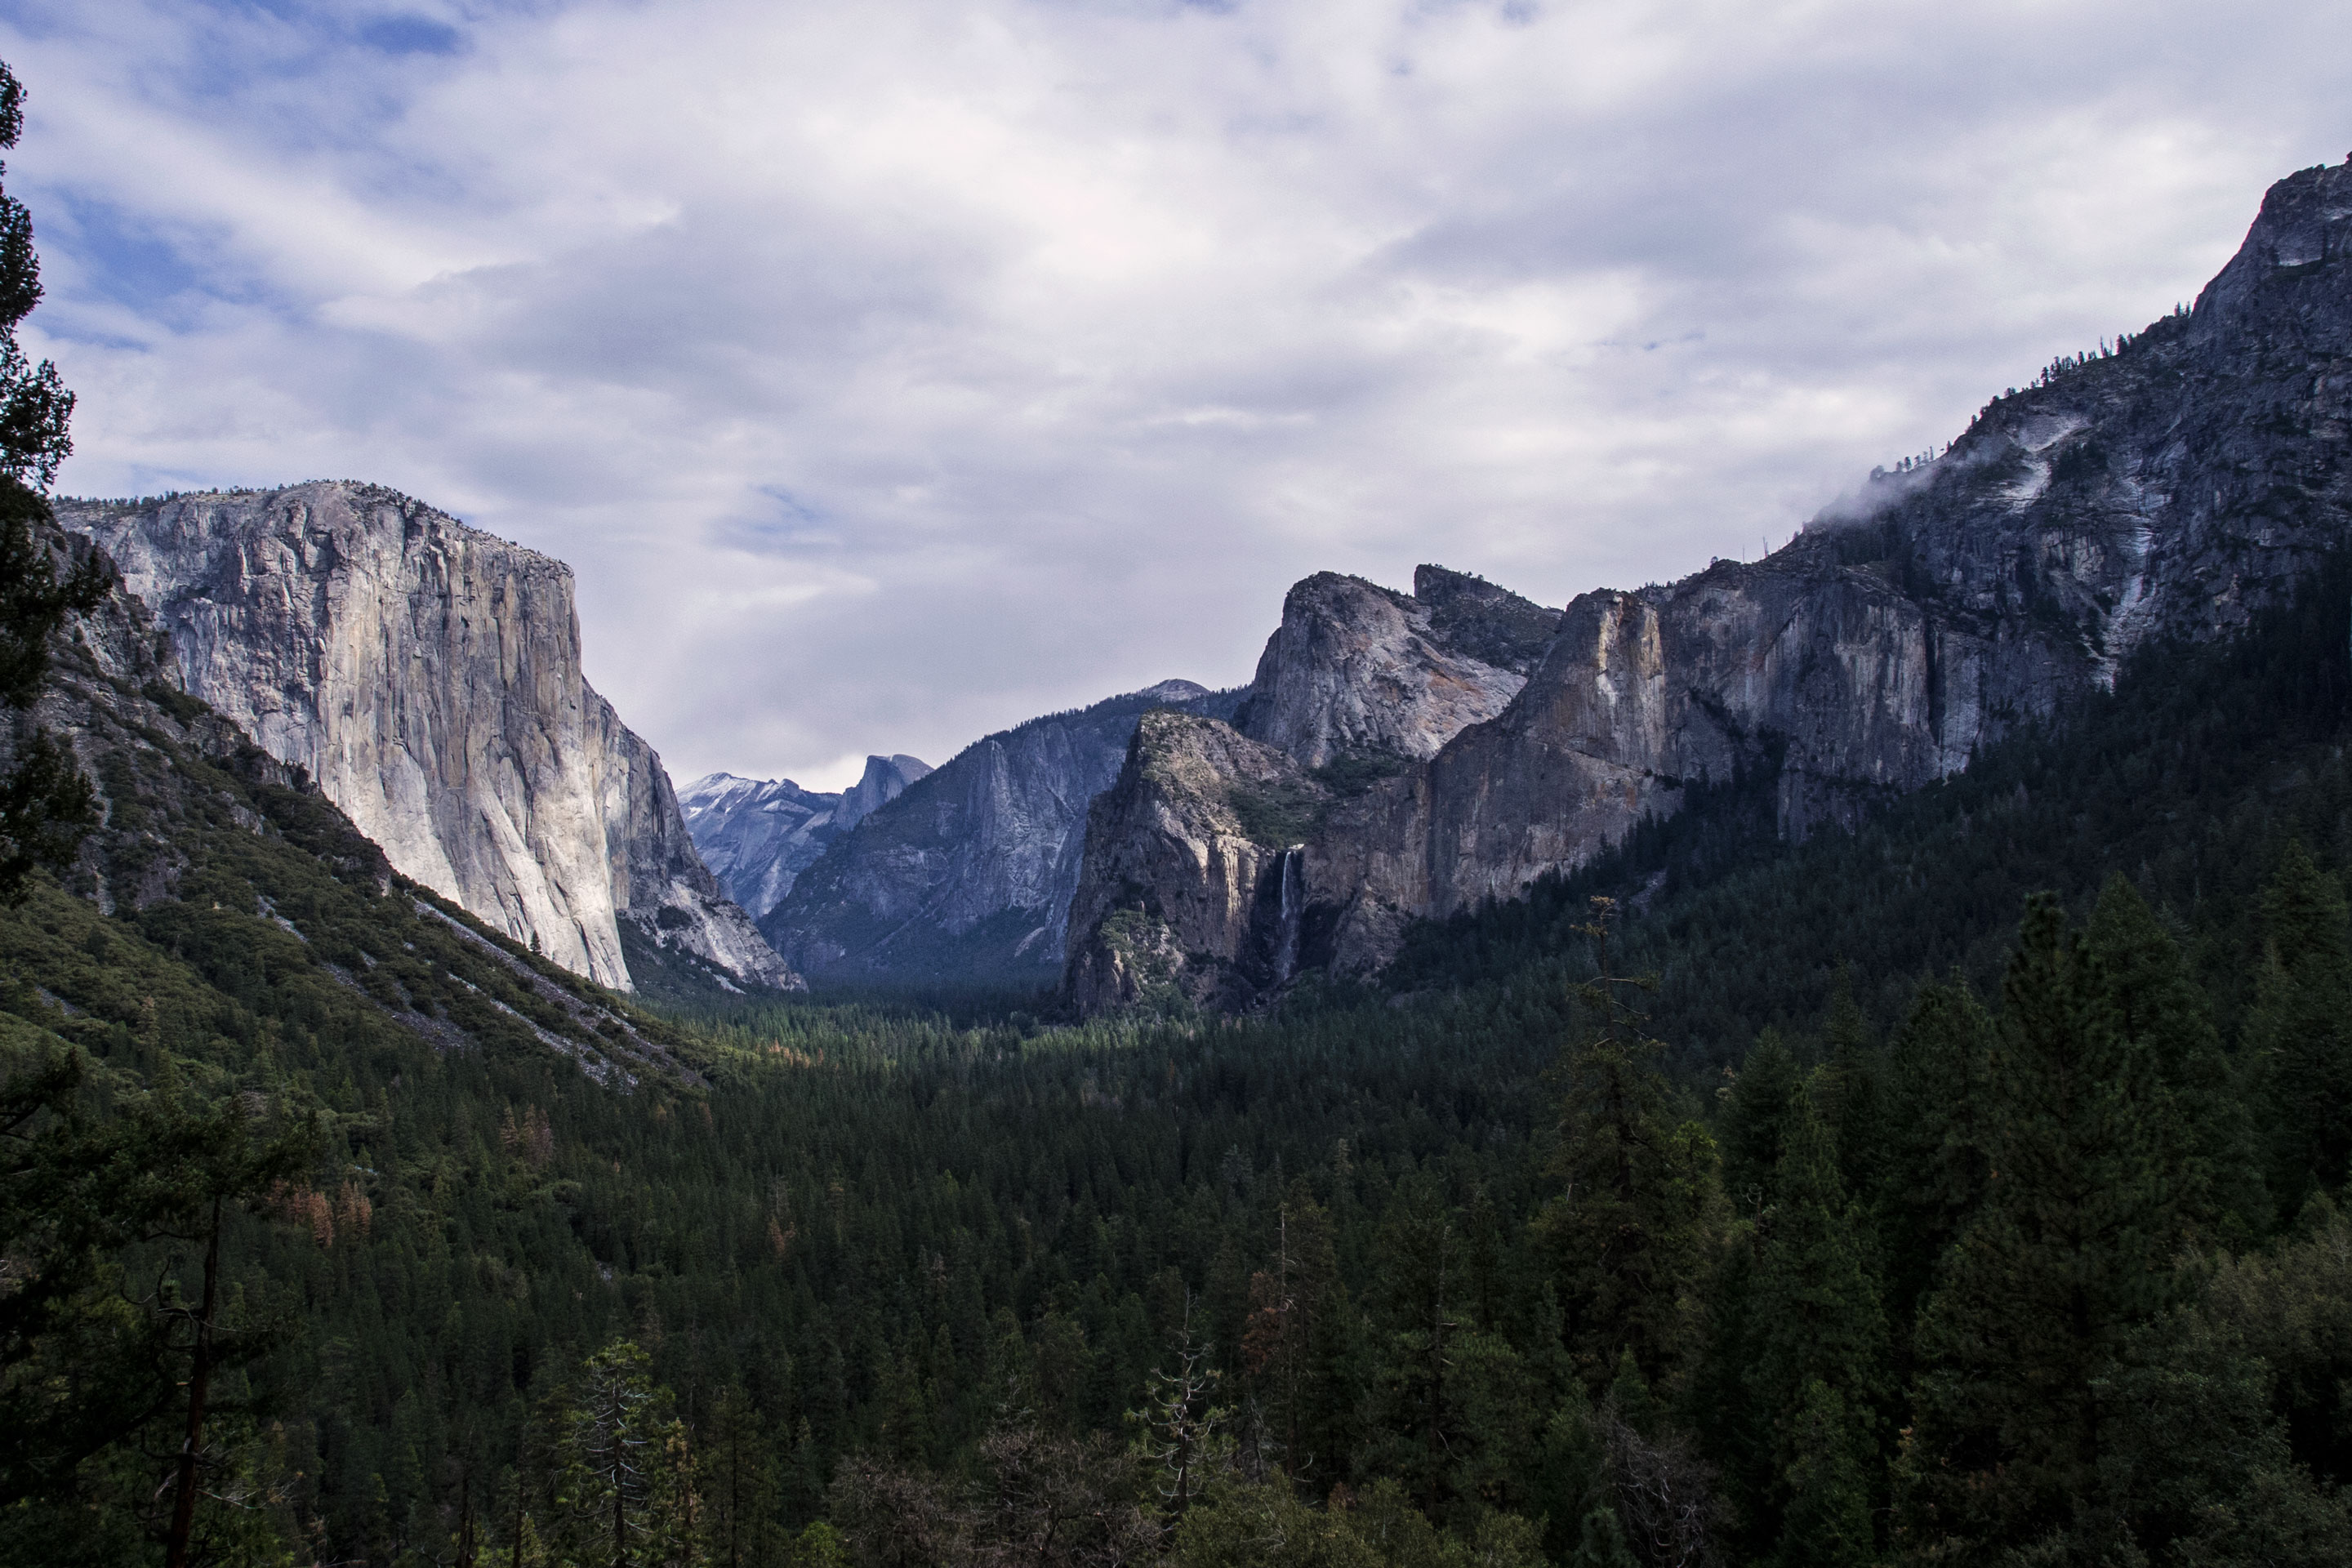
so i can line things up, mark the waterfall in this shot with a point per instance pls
(1285, 944)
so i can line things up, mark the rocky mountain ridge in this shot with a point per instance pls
(758, 835)
(2164, 487)
(1195, 861)
(427, 677)
(1359, 672)
(968, 875)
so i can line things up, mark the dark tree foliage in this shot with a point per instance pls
(2069, 1254)
(44, 802)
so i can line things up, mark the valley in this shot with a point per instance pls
(1842, 1058)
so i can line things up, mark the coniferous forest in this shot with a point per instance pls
(1961, 1188)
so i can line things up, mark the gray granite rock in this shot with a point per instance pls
(427, 677)
(968, 875)
(1357, 672)
(758, 835)
(2165, 488)
(1193, 884)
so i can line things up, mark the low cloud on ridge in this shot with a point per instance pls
(891, 372)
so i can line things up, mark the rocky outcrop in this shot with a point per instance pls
(1360, 674)
(427, 677)
(969, 874)
(1194, 882)
(758, 835)
(268, 876)
(2164, 486)
(1200, 858)
(884, 781)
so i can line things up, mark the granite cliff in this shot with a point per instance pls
(1359, 673)
(969, 873)
(427, 677)
(230, 879)
(2162, 487)
(1194, 867)
(758, 835)
(1190, 882)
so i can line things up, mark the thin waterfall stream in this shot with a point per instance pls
(1286, 947)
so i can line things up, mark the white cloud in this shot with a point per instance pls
(891, 372)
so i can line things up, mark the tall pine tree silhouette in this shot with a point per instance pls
(45, 803)
(2069, 1255)
(2299, 1034)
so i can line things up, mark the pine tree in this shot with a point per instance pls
(737, 1518)
(1637, 1192)
(1940, 1116)
(1294, 1339)
(2069, 1256)
(45, 804)
(2299, 1034)
(622, 1482)
(1851, 1088)
(1180, 1428)
(1754, 1117)
(78, 1371)
(1817, 1346)
(2162, 1012)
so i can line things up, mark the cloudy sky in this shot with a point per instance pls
(892, 371)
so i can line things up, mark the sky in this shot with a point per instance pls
(891, 372)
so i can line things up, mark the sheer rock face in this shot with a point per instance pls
(758, 835)
(426, 676)
(1357, 670)
(2166, 489)
(1359, 682)
(884, 781)
(969, 873)
(1189, 885)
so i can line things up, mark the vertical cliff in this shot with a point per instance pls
(2161, 487)
(884, 781)
(1361, 674)
(1194, 883)
(1203, 857)
(968, 875)
(427, 677)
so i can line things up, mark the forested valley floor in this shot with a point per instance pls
(1961, 1188)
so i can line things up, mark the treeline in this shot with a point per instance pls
(2056, 1272)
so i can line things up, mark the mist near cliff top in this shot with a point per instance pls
(889, 375)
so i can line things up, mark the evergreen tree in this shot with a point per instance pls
(738, 1514)
(2070, 1255)
(46, 805)
(1180, 1428)
(81, 1366)
(1816, 1339)
(1637, 1191)
(624, 1496)
(1294, 1345)
(1851, 1090)
(1754, 1117)
(2299, 1033)
(1939, 1128)
(2161, 1011)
